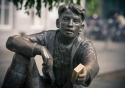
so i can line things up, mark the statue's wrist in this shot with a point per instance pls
(37, 49)
(43, 49)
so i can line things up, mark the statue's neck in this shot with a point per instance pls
(65, 40)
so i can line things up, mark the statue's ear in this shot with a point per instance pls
(82, 27)
(57, 23)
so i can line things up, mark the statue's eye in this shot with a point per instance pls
(76, 21)
(65, 19)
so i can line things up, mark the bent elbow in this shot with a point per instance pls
(9, 43)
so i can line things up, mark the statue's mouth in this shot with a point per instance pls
(69, 30)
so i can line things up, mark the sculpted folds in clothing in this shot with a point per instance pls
(82, 50)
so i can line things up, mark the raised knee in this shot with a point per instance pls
(20, 59)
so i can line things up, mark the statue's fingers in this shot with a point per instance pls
(45, 62)
(80, 79)
(84, 74)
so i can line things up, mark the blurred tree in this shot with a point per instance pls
(28, 4)
(92, 7)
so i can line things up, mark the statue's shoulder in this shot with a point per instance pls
(82, 39)
(85, 40)
(48, 32)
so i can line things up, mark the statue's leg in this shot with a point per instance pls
(16, 73)
(33, 78)
(23, 73)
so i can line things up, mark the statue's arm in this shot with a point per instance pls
(31, 45)
(28, 45)
(90, 62)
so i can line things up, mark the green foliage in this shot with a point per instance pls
(28, 4)
(92, 7)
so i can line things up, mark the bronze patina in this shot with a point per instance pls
(61, 50)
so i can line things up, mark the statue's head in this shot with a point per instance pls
(70, 21)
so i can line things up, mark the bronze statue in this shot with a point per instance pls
(62, 50)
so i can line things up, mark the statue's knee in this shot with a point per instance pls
(20, 59)
(16, 73)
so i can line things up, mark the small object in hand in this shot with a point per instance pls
(77, 70)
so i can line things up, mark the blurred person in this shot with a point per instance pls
(62, 50)
(120, 26)
(120, 20)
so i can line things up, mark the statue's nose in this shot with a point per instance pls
(71, 23)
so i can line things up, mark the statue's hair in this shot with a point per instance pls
(74, 7)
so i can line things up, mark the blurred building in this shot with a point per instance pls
(13, 20)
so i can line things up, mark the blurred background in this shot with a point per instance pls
(104, 26)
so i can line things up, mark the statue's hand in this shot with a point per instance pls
(47, 58)
(82, 77)
(48, 65)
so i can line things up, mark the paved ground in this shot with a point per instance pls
(111, 58)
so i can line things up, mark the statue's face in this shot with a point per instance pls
(70, 23)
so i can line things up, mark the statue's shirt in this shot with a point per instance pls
(66, 57)
(61, 62)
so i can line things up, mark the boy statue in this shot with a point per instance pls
(61, 50)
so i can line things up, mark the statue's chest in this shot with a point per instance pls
(61, 56)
